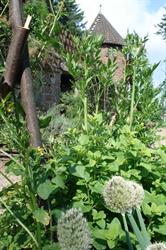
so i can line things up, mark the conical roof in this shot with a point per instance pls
(102, 26)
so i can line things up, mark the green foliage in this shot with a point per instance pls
(4, 41)
(162, 26)
(130, 99)
(91, 159)
(147, 98)
(92, 81)
(84, 162)
(73, 16)
(40, 16)
(112, 139)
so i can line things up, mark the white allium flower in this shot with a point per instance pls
(73, 232)
(117, 195)
(121, 195)
(157, 246)
(138, 194)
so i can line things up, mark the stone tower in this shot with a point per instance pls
(111, 39)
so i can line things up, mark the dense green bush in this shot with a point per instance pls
(77, 167)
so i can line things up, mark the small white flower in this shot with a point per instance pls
(73, 232)
(157, 246)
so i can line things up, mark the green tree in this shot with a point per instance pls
(162, 26)
(162, 31)
(73, 16)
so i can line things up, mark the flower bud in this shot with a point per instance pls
(73, 232)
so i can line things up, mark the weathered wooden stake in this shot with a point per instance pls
(15, 55)
(27, 96)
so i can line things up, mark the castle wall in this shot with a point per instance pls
(50, 92)
(120, 60)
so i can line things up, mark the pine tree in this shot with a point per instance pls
(73, 16)
(162, 26)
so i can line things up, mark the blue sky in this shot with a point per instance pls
(154, 5)
(141, 16)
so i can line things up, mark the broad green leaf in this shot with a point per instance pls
(98, 215)
(114, 229)
(99, 234)
(146, 166)
(83, 139)
(101, 223)
(146, 209)
(97, 187)
(111, 244)
(57, 213)
(134, 153)
(162, 155)
(58, 180)
(80, 171)
(45, 189)
(161, 229)
(97, 154)
(163, 185)
(108, 157)
(158, 210)
(41, 216)
(85, 208)
(92, 162)
(113, 167)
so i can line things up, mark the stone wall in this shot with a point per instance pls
(120, 60)
(50, 92)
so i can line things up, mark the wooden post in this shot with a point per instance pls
(15, 55)
(27, 95)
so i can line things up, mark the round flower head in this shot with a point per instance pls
(157, 246)
(117, 194)
(121, 195)
(73, 232)
(137, 195)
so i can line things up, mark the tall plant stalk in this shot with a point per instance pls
(33, 200)
(137, 232)
(85, 103)
(132, 98)
(143, 228)
(127, 232)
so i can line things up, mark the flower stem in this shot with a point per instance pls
(127, 233)
(143, 228)
(132, 98)
(137, 232)
(85, 113)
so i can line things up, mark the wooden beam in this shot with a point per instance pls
(27, 95)
(15, 55)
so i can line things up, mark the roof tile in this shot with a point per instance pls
(102, 26)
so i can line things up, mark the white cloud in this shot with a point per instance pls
(131, 15)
